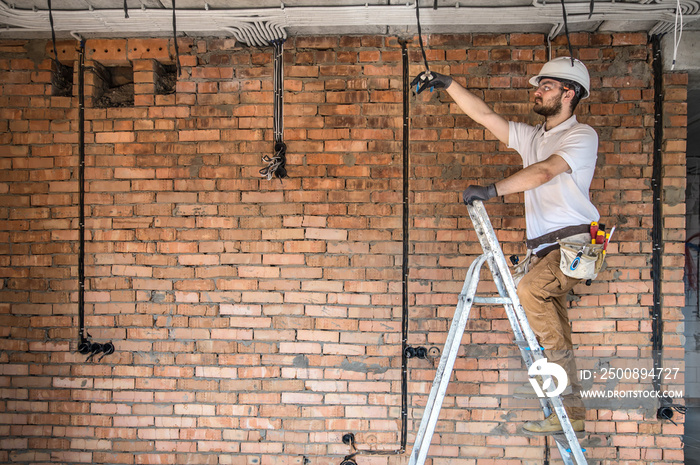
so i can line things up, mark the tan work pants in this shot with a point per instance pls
(542, 292)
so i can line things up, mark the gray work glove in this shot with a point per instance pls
(483, 193)
(431, 79)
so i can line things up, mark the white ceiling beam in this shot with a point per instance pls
(146, 22)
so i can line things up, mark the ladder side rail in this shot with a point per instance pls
(484, 230)
(536, 354)
(497, 264)
(443, 373)
(566, 455)
(499, 277)
(520, 325)
(529, 357)
(503, 278)
(569, 433)
(487, 237)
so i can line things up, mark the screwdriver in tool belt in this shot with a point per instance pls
(608, 236)
(594, 231)
(600, 235)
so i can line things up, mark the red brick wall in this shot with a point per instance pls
(258, 321)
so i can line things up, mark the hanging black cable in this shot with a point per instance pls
(126, 10)
(62, 77)
(566, 31)
(53, 36)
(177, 49)
(420, 37)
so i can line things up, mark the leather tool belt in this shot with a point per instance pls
(555, 236)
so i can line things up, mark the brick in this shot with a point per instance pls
(107, 51)
(114, 137)
(629, 39)
(321, 42)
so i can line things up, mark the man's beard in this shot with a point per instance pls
(548, 111)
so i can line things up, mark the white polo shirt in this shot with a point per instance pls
(563, 201)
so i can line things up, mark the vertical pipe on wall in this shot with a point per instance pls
(657, 323)
(404, 268)
(81, 197)
(85, 346)
(349, 438)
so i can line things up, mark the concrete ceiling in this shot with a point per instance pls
(243, 18)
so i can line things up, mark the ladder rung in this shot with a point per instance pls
(493, 300)
(523, 343)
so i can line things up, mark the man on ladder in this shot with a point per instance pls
(559, 158)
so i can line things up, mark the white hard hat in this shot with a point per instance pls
(565, 68)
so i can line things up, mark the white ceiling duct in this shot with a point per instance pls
(257, 26)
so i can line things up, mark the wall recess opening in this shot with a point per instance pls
(165, 78)
(114, 86)
(61, 79)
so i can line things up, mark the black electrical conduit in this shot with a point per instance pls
(81, 200)
(349, 438)
(53, 38)
(657, 227)
(177, 49)
(404, 264)
(85, 346)
(665, 411)
(666, 407)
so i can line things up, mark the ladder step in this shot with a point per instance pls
(558, 436)
(523, 343)
(493, 300)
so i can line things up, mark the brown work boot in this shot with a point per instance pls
(551, 425)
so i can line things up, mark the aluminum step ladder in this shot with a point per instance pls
(568, 444)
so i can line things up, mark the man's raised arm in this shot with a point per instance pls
(470, 104)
